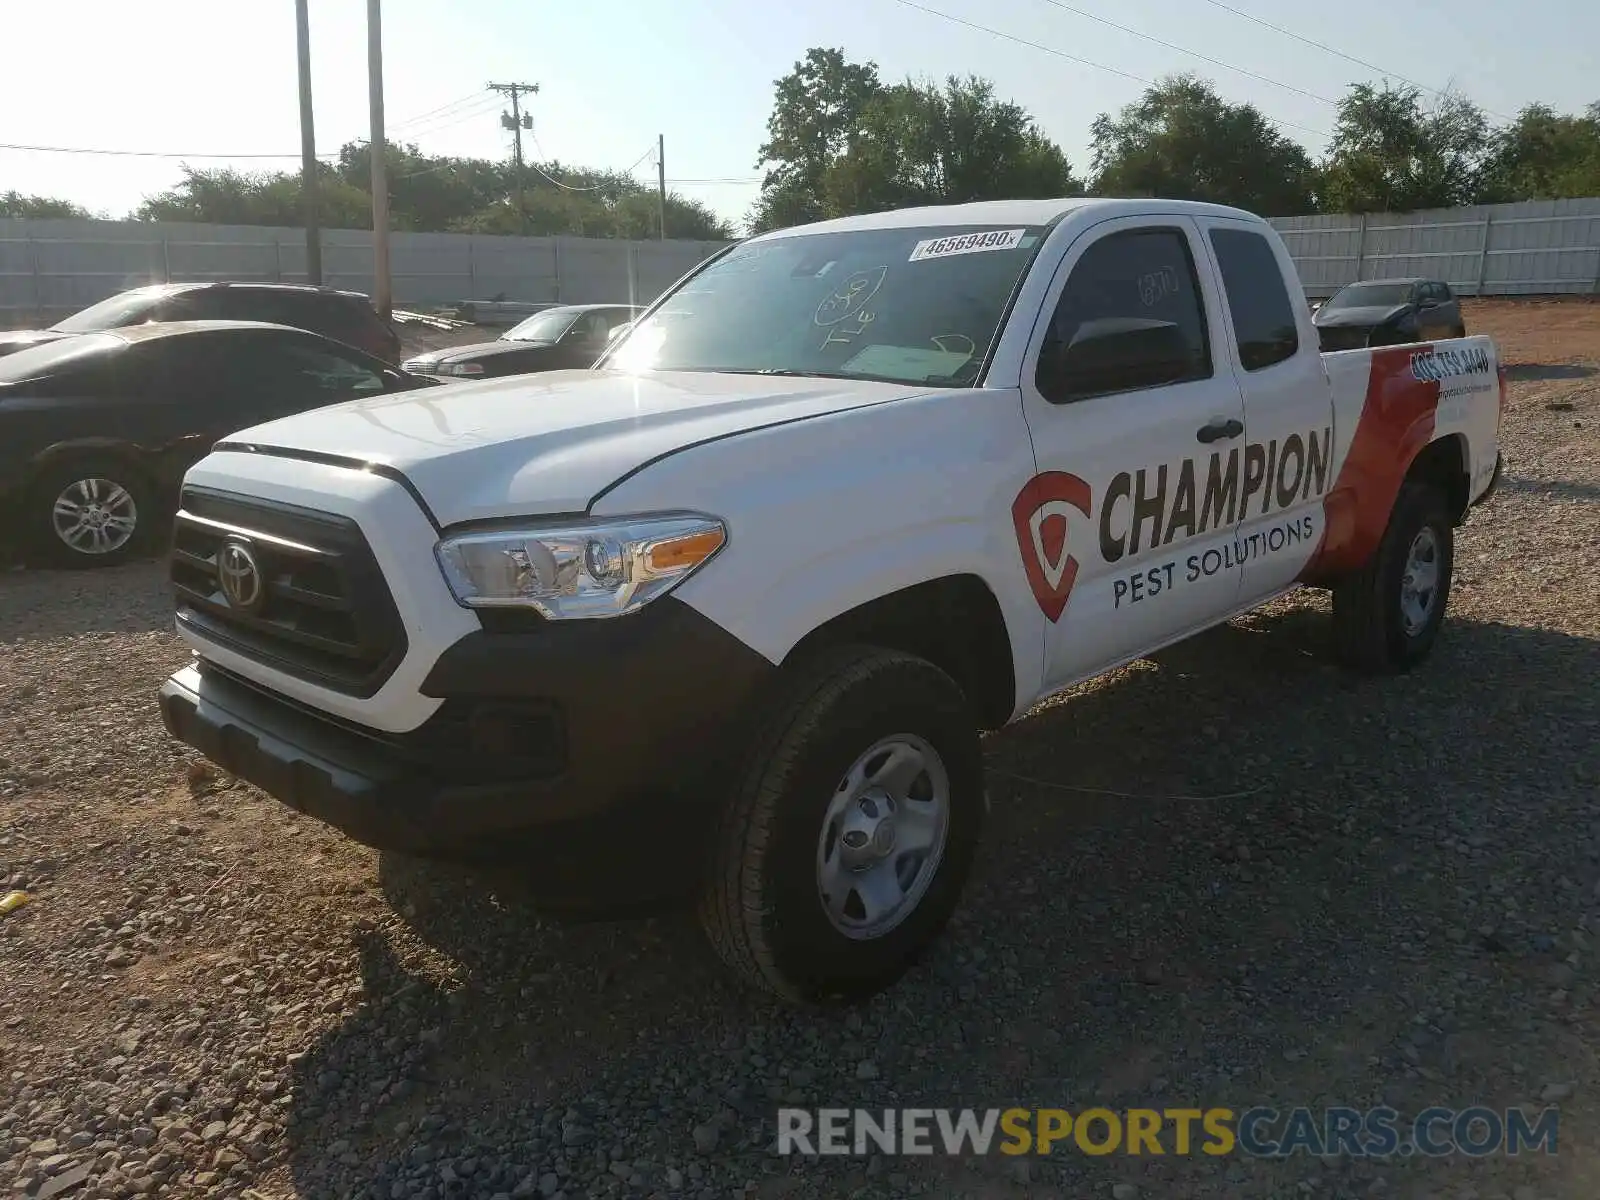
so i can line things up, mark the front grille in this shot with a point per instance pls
(324, 614)
(1348, 337)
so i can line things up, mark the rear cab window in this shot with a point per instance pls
(1264, 328)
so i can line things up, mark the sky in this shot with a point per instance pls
(218, 77)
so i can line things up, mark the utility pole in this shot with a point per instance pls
(517, 121)
(308, 146)
(661, 180)
(382, 299)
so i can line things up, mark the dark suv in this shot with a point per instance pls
(346, 317)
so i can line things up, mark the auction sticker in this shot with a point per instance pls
(966, 243)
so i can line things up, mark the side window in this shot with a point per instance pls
(590, 330)
(1129, 317)
(304, 365)
(1263, 318)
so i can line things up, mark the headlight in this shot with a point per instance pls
(462, 368)
(599, 569)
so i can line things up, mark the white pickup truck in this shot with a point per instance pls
(723, 617)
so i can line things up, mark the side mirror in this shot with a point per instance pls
(617, 331)
(1115, 354)
(1316, 305)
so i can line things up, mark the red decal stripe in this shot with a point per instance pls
(1396, 423)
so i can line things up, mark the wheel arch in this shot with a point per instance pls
(130, 453)
(954, 621)
(1445, 463)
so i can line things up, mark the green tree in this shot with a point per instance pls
(15, 204)
(1389, 154)
(816, 117)
(1543, 155)
(225, 196)
(842, 142)
(439, 194)
(1182, 141)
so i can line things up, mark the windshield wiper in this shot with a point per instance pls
(794, 373)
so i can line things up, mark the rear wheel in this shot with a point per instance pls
(844, 847)
(89, 512)
(1386, 616)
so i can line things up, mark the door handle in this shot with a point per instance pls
(1220, 430)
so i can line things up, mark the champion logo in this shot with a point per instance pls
(1040, 517)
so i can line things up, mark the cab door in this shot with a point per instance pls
(1126, 530)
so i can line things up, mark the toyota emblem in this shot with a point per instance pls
(240, 576)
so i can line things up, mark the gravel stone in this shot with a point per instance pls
(216, 997)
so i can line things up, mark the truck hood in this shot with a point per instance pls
(1370, 314)
(532, 445)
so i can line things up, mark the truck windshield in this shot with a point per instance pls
(1371, 295)
(915, 305)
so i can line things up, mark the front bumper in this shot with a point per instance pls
(589, 755)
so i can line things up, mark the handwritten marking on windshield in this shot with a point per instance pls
(843, 337)
(852, 296)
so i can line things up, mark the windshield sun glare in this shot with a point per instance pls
(916, 305)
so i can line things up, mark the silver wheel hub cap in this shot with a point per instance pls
(94, 516)
(883, 837)
(1419, 581)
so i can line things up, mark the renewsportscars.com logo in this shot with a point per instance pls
(1259, 1132)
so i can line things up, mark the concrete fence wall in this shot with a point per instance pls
(49, 269)
(1536, 247)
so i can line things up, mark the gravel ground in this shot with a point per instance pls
(1315, 891)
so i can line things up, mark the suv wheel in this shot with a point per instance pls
(845, 845)
(89, 513)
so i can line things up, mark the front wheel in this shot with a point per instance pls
(845, 844)
(89, 512)
(1386, 616)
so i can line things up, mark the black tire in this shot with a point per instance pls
(762, 909)
(45, 544)
(1370, 625)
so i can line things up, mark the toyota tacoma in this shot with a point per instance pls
(723, 617)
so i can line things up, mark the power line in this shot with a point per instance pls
(1192, 53)
(143, 153)
(474, 97)
(567, 186)
(1337, 53)
(1087, 62)
(437, 125)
